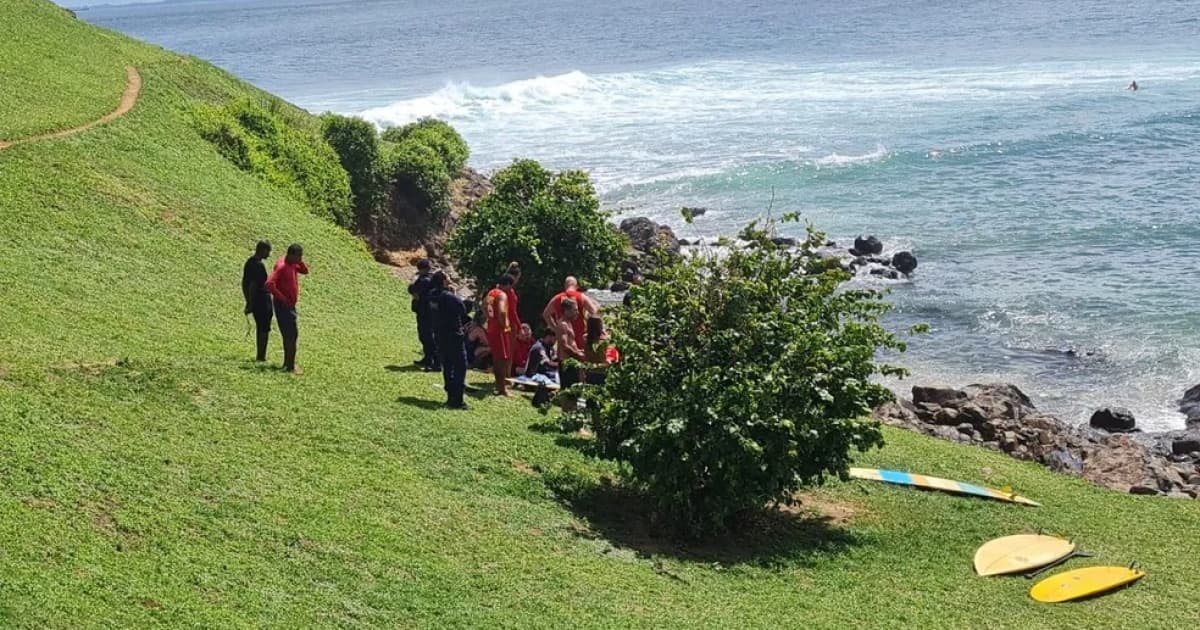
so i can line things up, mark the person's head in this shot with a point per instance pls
(440, 279)
(570, 283)
(424, 265)
(548, 336)
(506, 281)
(595, 329)
(570, 309)
(295, 253)
(262, 249)
(514, 270)
(526, 333)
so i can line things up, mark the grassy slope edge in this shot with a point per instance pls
(151, 475)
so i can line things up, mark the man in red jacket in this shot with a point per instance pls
(284, 285)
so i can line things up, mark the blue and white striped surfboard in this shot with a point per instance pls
(937, 483)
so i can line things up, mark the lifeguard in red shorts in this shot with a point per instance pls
(499, 332)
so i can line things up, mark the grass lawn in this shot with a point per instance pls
(152, 475)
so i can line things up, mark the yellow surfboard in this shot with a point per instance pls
(1020, 554)
(1080, 583)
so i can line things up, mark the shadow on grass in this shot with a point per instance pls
(404, 368)
(766, 537)
(421, 403)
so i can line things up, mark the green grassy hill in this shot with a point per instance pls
(152, 475)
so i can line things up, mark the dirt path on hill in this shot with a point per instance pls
(133, 87)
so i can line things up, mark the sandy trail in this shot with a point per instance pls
(133, 88)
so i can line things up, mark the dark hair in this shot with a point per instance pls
(423, 264)
(547, 332)
(595, 328)
(263, 246)
(506, 280)
(440, 279)
(295, 249)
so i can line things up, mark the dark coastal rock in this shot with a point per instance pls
(904, 262)
(683, 242)
(1001, 417)
(867, 245)
(784, 241)
(1190, 405)
(646, 236)
(693, 212)
(1113, 419)
(890, 274)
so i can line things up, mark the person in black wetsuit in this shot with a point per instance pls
(449, 316)
(422, 291)
(258, 299)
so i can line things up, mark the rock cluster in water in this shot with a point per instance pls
(1001, 417)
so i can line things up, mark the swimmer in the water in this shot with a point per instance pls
(1132, 86)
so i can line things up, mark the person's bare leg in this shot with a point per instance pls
(500, 370)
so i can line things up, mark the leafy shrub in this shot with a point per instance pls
(742, 379)
(437, 135)
(550, 223)
(357, 145)
(262, 141)
(418, 175)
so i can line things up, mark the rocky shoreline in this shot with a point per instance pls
(1110, 451)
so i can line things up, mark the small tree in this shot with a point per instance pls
(437, 135)
(743, 378)
(418, 174)
(550, 223)
(357, 145)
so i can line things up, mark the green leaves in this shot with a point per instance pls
(743, 378)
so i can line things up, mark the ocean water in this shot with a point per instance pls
(1056, 215)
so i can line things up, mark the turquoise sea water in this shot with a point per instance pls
(1056, 215)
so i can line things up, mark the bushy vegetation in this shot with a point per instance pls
(550, 223)
(422, 159)
(744, 378)
(357, 145)
(437, 135)
(259, 139)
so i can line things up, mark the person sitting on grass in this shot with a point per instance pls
(284, 285)
(525, 343)
(542, 361)
(258, 299)
(478, 352)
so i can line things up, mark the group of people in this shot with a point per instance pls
(274, 296)
(451, 338)
(449, 334)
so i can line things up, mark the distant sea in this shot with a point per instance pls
(1056, 215)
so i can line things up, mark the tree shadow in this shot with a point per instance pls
(767, 537)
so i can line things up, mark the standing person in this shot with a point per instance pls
(499, 332)
(514, 318)
(284, 285)
(258, 299)
(449, 315)
(568, 348)
(585, 308)
(422, 291)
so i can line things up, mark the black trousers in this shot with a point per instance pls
(262, 329)
(429, 348)
(454, 369)
(289, 329)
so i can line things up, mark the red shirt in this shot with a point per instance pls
(521, 352)
(491, 304)
(284, 284)
(579, 324)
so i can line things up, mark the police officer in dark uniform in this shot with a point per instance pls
(422, 291)
(449, 317)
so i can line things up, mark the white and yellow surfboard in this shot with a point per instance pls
(937, 483)
(1020, 554)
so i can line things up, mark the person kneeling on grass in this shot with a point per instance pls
(541, 367)
(568, 349)
(284, 285)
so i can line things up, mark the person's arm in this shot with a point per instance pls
(569, 343)
(302, 267)
(589, 307)
(548, 314)
(248, 284)
(272, 286)
(502, 308)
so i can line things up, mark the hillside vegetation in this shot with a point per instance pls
(151, 475)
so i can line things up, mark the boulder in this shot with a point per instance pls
(904, 262)
(683, 242)
(1190, 405)
(1185, 445)
(890, 274)
(867, 245)
(940, 396)
(784, 241)
(1113, 419)
(693, 212)
(1147, 489)
(647, 236)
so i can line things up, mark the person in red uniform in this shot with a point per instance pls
(514, 318)
(521, 349)
(499, 332)
(585, 308)
(284, 286)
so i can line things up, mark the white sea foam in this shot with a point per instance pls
(880, 154)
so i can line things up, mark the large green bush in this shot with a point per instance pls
(437, 135)
(743, 378)
(550, 223)
(357, 145)
(261, 140)
(418, 174)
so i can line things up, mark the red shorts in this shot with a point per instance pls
(500, 345)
